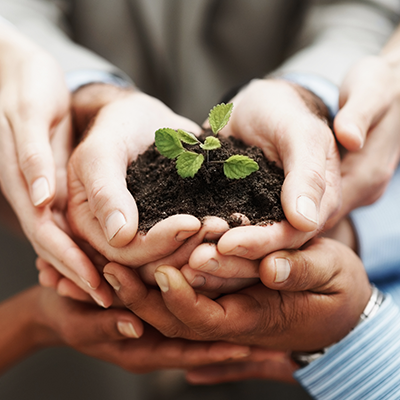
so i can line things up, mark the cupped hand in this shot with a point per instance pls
(120, 124)
(35, 143)
(309, 299)
(367, 126)
(118, 336)
(288, 124)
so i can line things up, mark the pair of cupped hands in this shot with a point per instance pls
(284, 287)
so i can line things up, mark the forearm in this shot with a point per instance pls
(19, 334)
(43, 22)
(336, 35)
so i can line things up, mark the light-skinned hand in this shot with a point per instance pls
(35, 143)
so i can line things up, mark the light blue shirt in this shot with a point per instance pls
(365, 365)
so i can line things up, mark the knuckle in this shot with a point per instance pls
(30, 156)
(315, 179)
(172, 332)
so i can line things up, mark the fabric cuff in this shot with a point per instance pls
(78, 78)
(364, 365)
(327, 91)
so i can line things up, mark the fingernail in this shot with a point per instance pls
(114, 223)
(127, 329)
(238, 251)
(113, 281)
(87, 283)
(307, 208)
(40, 191)
(210, 266)
(183, 235)
(198, 281)
(162, 281)
(98, 300)
(282, 269)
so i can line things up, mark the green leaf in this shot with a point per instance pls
(219, 116)
(168, 143)
(187, 137)
(188, 164)
(211, 143)
(236, 167)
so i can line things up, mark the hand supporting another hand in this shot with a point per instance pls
(40, 318)
(367, 126)
(35, 143)
(319, 302)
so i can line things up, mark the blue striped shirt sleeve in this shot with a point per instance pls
(364, 365)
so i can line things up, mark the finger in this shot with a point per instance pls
(112, 324)
(315, 267)
(365, 96)
(48, 275)
(206, 258)
(204, 282)
(161, 240)
(311, 189)
(66, 288)
(146, 303)
(211, 320)
(97, 174)
(35, 157)
(277, 370)
(154, 351)
(212, 229)
(254, 242)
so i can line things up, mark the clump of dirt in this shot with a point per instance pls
(160, 192)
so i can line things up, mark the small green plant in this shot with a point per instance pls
(169, 143)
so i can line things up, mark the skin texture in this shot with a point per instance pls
(39, 318)
(316, 305)
(35, 143)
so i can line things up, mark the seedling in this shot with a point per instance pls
(169, 144)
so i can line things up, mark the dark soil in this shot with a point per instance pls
(160, 192)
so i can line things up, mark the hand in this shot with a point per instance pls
(113, 335)
(367, 125)
(142, 247)
(262, 364)
(101, 209)
(312, 298)
(283, 120)
(35, 143)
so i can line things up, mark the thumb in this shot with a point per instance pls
(312, 268)
(365, 96)
(96, 173)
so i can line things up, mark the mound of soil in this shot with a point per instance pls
(160, 192)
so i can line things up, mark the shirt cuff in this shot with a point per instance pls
(327, 91)
(78, 78)
(364, 365)
(378, 232)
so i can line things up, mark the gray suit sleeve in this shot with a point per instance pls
(337, 34)
(43, 22)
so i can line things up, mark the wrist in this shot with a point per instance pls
(88, 100)
(374, 303)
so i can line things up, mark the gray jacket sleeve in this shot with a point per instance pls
(43, 22)
(336, 34)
